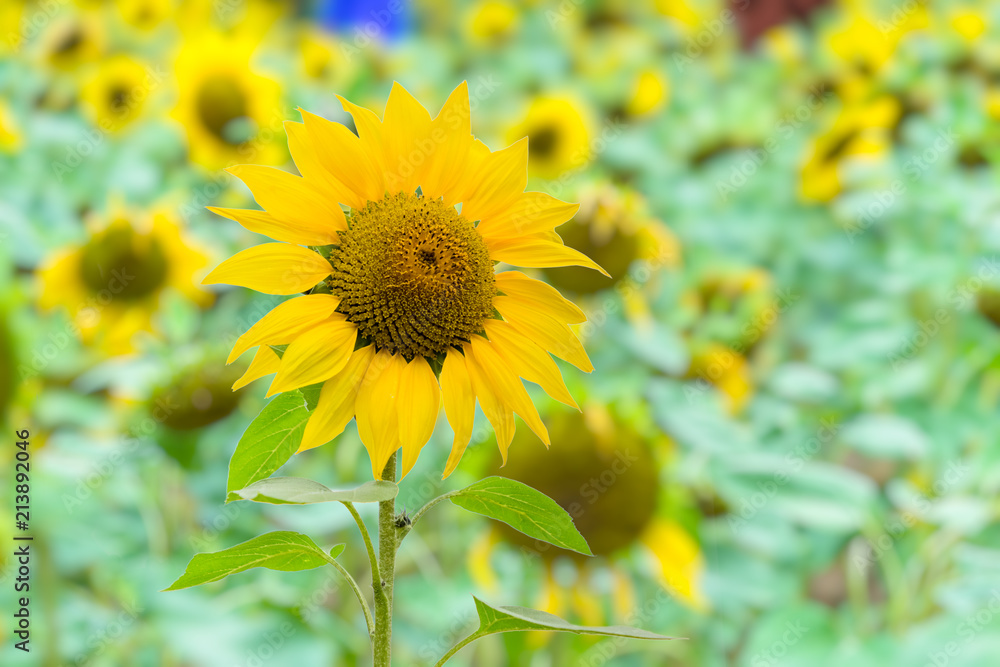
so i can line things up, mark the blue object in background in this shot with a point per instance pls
(384, 20)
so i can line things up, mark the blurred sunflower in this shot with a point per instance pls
(145, 14)
(558, 131)
(112, 283)
(404, 288)
(491, 21)
(616, 229)
(861, 132)
(117, 92)
(606, 476)
(727, 370)
(230, 113)
(71, 40)
(10, 131)
(650, 92)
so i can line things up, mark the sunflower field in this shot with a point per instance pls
(745, 255)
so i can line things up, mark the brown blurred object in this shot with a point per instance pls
(756, 17)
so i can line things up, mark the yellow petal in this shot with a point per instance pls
(343, 155)
(501, 179)
(498, 413)
(300, 145)
(536, 252)
(550, 334)
(272, 268)
(445, 171)
(291, 199)
(316, 355)
(420, 397)
(375, 407)
(459, 405)
(265, 362)
(531, 212)
(507, 385)
(335, 408)
(408, 141)
(370, 131)
(680, 559)
(540, 295)
(286, 322)
(528, 360)
(262, 222)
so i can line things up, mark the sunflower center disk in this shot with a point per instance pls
(414, 275)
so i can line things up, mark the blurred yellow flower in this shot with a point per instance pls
(10, 131)
(615, 228)
(117, 91)
(71, 40)
(606, 476)
(230, 113)
(113, 282)
(145, 14)
(404, 288)
(861, 132)
(650, 93)
(492, 20)
(558, 132)
(970, 24)
(727, 370)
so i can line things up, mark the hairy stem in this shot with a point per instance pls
(382, 580)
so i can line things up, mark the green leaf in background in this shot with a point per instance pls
(280, 550)
(493, 620)
(302, 491)
(269, 441)
(337, 550)
(524, 509)
(514, 619)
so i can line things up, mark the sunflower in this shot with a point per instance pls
(727, 370)
(862, 132)
(616, 228)
(606, 476)
(558, 131)
(72, 40)
(112, 283)
(10, 131)
(116, 93)
(229, 112)
(145, 14)
(492, 21)
(405, 308)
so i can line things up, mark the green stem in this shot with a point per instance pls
(382, 580)
(357, 591)
(458, 647)
(372, 558)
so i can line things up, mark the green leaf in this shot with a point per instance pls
(270, 440)
(337, 550)
(311, 394)
(524, 509)
(301, 491)
(281, 550)
(515, 619)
